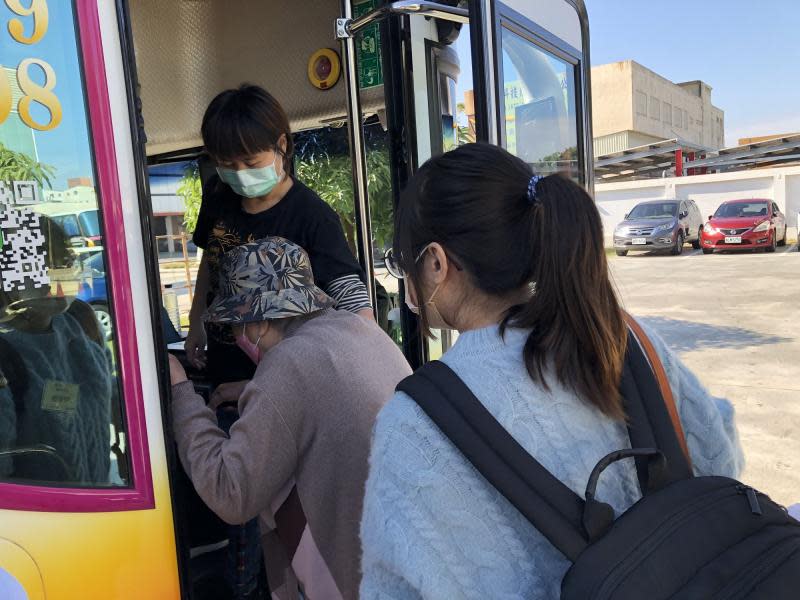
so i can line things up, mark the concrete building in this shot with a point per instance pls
(633, 106)
(168, 207)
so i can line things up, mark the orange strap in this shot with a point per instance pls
(663, 383)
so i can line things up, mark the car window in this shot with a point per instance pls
(742, 209)
(654, 210)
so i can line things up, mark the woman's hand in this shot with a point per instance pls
(195, 345)
(176, 373)
(227, 392)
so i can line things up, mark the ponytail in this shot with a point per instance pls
(576, 323)
(511, 231)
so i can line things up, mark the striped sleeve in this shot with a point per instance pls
(350, 293)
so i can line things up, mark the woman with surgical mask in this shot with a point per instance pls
(246, 132)
(297, 456)
(515, 263)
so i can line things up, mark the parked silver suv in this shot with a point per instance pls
(659, 225)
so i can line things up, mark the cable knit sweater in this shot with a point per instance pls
(432, 527)
(80, 434)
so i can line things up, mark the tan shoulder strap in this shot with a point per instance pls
(663, 382)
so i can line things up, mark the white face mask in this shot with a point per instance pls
(252, 183)
(411, 306)
(434, 317)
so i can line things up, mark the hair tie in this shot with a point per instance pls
(532, 197)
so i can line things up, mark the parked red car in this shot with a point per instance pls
(744, 225)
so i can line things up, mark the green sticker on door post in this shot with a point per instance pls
(368, 48)
(60, 396)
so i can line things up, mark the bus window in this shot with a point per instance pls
(61, 417)
(538, 103)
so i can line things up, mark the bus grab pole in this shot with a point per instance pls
(357, 150)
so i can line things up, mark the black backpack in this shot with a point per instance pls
(687, 538)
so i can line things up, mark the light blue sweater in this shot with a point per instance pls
(433, 528)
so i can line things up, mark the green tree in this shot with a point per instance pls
(16, 166)
(191, 191)
(330, 176)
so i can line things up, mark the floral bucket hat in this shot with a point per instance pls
(263, 280)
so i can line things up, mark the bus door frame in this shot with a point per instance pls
(489, 17)
(403, 155)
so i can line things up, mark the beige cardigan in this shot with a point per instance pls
(297, 456)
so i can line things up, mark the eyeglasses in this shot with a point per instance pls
(396, 271)
(393, 264)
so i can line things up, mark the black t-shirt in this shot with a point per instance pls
(301, 217)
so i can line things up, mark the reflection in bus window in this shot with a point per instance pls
(539, 100)
(61, 420)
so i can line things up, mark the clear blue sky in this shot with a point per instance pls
(67, 146)
(748, 52)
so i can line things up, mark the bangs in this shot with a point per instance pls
(245, 121)
(232, 135)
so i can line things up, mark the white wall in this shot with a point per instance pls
(782, 185)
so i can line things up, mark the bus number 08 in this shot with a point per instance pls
(31, 92)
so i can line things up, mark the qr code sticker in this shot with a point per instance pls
(6, 196)
(22, 250)
(26, 192)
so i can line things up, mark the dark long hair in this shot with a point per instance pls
(474, 201)
(244, 121)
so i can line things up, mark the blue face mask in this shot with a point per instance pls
(251, 183)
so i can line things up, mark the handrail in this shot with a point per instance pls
(349, 27)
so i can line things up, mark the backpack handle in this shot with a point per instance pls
(599, 516)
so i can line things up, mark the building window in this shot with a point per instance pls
(655, 108)
(641, 104)
(667, 113)
(676, 117)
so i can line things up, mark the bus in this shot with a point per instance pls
(95, 92)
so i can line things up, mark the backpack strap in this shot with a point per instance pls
(657, 368)
(554, 509)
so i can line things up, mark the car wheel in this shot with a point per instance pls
(708, 251)
(697, 243)
(104, 318)
(678, 248)
(622, 253)
(783, 241)
(773, 243)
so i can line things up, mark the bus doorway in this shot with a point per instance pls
(139, 75)
(416, 79)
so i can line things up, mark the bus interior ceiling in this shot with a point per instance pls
(187, 51)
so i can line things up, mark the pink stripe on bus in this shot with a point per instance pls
(140, 496)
